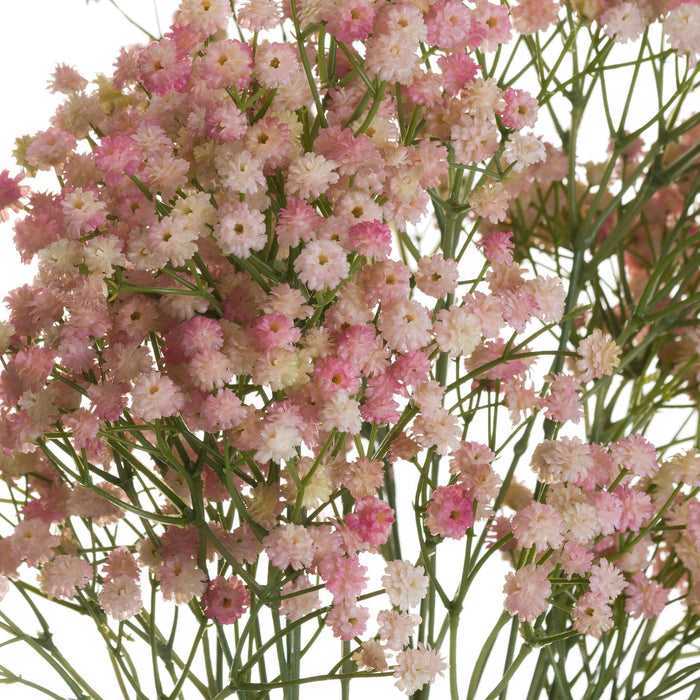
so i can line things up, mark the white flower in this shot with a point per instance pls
(405, 584)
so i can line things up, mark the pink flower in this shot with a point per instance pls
(295, 607)
(567, 459)
(120, 598)
(562, 403)
(347, 620)
(275, 63)
(645, 598)
(10, 193)
(592, 615)
(225, 63)
(635, 454)
(449, 24)
(405, 325)
(576, 559)
(606, 581)
(350, 21)
(637, 508)
(321, 264)
(344, 576)
(155, 396)
(120, 562)
(520, 111)
(371, 519)
(396, 628)
(599, 355)
(225, 600)
(33, 540)
(63, 575)
(540, 525)
(417, 667)
(289, 545)
(371, 239)
(450, 512)
(526, 592)
(181, 579)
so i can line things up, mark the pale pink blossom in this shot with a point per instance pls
(645, 598)
(405, 584)
(63, 575)
(181, 579)
(540, 525)
(347, 620)
(120, 598)
(526, 592)
(417, 667)
(289, 545)
(592, 615)
(598, 356)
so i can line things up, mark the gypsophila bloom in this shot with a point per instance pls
(567, 459)
(598, 356)
(405, 584)
(592, 615)
(120, 598)
(63, 575)
(417, 667)
(396, 628)
(540, 525)
(225, 600)
(526, 592)
(372, 655)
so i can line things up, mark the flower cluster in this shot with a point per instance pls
(234, 345)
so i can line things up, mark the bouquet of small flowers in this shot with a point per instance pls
(333, 312)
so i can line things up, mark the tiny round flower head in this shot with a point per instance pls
(606, 581)
(405, 325)
(540, 525)
(225, 600)
(526, 592)
(33, 539)
(63, 575)
(181, 579)
(405, 584)
(598, 356)
(417, 667)
(457, 331)
(568, 459)
(372, 520)
(635, 454)
(576, 559)
(155, 396)
(592, 615)
(344, 576)
(450, 512)
(310, 175)
(120, 598)
(289, 545)
(371, 655)
(240, 230)
(120, 562)
(396, 628)
(645, 598)
(682, 26)
(623, 22)
(347, 620)
(10, 193)
(436, 276)
(321, 264)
